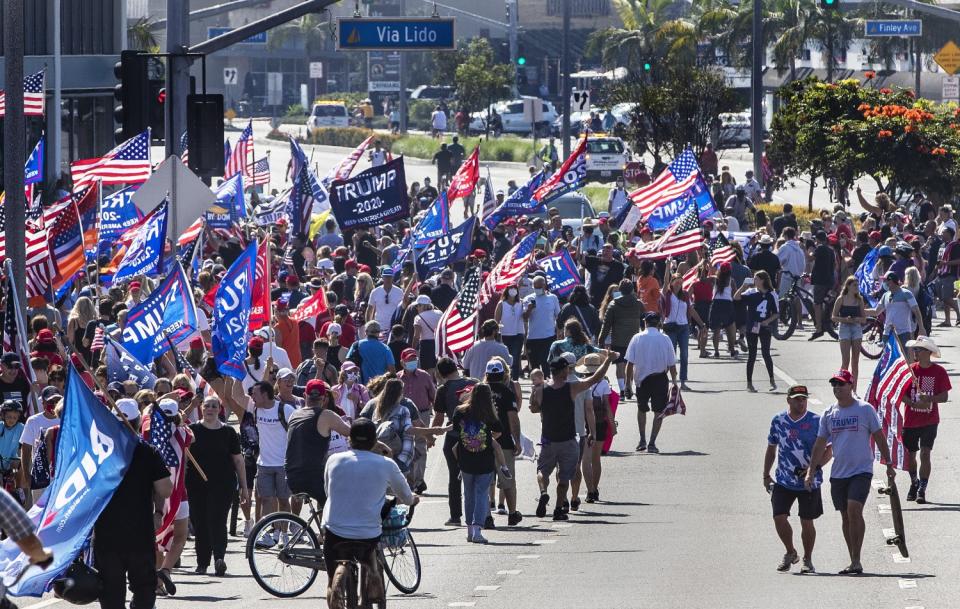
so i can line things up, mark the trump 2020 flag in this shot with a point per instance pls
(118, 212)
(33, 169)
(571, 176)
(230, 196)
(122, 366)
(434, 224)
(231, 314)
(165, 317)
(94, 451)
(561, 271)
(447, 249)
(519, 203)
(864, 274)
(144, 253)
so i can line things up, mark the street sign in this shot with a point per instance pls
(951, 89)
(396, 34)
(274, 88)
(631, 172)
(316, 69)
(383, 71)
(230, 76)
(532, 110)
(213, 32)
(893, 27)
(580, 101)
(948, 58)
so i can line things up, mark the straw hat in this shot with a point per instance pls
(589, 363)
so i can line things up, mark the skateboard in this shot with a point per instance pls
(899, 539)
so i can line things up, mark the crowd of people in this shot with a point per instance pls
(321, 396)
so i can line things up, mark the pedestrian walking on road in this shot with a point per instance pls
(929, 387)
(849, 315)
(444, 406)
(762, 314)
(650, 356)
(793, 433)
(848, 426)
(598, 400)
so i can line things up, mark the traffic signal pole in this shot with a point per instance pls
(756, 90)
(14, 138)
(565, 74)
(512, 42)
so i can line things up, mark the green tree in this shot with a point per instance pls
(652, 32)
(443, 64)
(140, 36)
(479, 79)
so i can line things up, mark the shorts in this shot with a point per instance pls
(272, 482)
(820, 293)
(915, 438)
(854, 488)
(311, 485)
(510, 461)
(703, 310)
(740, 313)
(943, 287)
(427, 352)
(652, 393)
(850, 331)
(809, 503)
(786, 282)
(721, 314)
(183, 511)
(560, 455)
(622, 350)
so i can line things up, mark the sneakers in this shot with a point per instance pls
(653, 449)
(912, 493)
(473, 534)
(420, 488)
(488, 523)
(267, 540)
(751, 388)
(922, 496)
(514, 518)
(505, 472)
(815, 336)
(590, 498)
(247, 525)
(542, 505)
(501, 510)
(559, 514)
(790, 558)
(220, 567)
(163, 578)
(807, 566)
(452, 522)
(575, 504)
(642, 446)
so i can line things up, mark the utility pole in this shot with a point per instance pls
(402, 106)
(178, 83)
(565, 75)
(54, 120)
(756, 90)
(512, 20)
(14, 136)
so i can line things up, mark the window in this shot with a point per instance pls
(329, 110)
(579, 8)
(605, 146)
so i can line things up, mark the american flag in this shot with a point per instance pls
(33, 96)
(671, 184)
(15, 331)
(241, 159)
(191, 233)
(890, 380)
(508, 271)
(455, 330)
(683, 236)
(67, 237)
(128, 163)
(690, 278)
(261, 172)
(41, 268)
(185, 155)
(97, 343)
(287, 259)
(171, 444)
(489, 201)
(721, 251)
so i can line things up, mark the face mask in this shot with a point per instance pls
(511, 292)
(410, 366)
(616, 294)
(352, 377)
(495, 377)
(538, 291)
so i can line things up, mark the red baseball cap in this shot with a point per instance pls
(842, 376)
(363, 268)
(875, 235)
(316, 386)
(282, 305)
(256, 341)
(196, 343)
(408, 354)
(726, 267)
(479, 253)
(134, 285)
(45, 336)
(350, 264)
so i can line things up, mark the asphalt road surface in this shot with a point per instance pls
(687, 528)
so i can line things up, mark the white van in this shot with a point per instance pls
(328, 114)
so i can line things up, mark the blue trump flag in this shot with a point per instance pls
(434, 224)
(165, 317)
(122, 366)
(33, 168)
(519, 203)
(94, 451)
(230, 196)
(118, 213)
(447, 249)
(864, 275)
(666, 214)
(561, 271)
(231, 314)
(143, 255)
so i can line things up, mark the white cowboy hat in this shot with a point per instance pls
(924, 342)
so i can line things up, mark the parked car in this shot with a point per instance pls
(576, 122)
(436, 92)
(734, 130)
(573, 208)
(512, 119)
(328, 114)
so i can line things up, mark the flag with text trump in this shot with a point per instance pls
(231, 314)
(890, 380)
(164, 318)
(143, 254)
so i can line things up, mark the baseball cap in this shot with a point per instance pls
(45, 336)
(284, 373)
(184, 394)
(10, 360)
(423, 299)
(559, 363)
(196, 343)
(891, 276)
(348, 366)
(256, 342)
(49, 394)
(334, 328)
(350, 264)
(116, 386)
(495, 366)
(796, 391)
(651, 317)
(129, 408)
(316, 386)
(134, 285)
(842, 377)
(363, 431)
(408, 354)
(168, 406)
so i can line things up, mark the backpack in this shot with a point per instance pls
(250, 435)
(389, 431)
(474, 437)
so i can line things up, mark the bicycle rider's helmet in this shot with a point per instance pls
(80, 585)
(885, 251)
(9, 405)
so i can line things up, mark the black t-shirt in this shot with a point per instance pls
(760, 307)
(446, 400)
(443, 158)
(442, 296)
(782, 222)
(214, 449)
(765, 260)
(822, 272)
(366, 251)
(858, 254)
(474, 444)
(127, 521)
(17, 389)
(558, 410)
(505, 401)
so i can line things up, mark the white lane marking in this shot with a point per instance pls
(46, 603)
(528, 556)
(541, 542)
(889, 532)
(561, 526)
(914, 607)
(510, 572)
(429, 501)
(486, 588)
(899, 558)
(789, 380)
(883, 508)
(461, 604)
(908, 583)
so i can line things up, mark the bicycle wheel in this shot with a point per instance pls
(343, 587)
(871, 345)
(787, 320)
(401, 563)
(284, 554)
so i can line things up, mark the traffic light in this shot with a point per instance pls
(521, 56)
(132, 112)
(157, 98)
(647, 66)
(205, 134)
(829, 5)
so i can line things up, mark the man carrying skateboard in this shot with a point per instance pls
(793, 433)
(927, 390)
(848, 426)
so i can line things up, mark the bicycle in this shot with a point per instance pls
(872, 343)
(791, 307)
(284, 552)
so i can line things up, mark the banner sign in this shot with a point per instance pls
(434, 224)
(94, 451)
(230, 196)
(231, 314)
(270, 213)
(121, 366)
(571, 176)
(562, 275)
(118, 213)
(166, 316)
(374, 197)
(448, 249)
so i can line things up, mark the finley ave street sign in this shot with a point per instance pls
(893, 27)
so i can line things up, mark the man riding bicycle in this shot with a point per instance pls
(356, 483)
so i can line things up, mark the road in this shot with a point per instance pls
(689, 528)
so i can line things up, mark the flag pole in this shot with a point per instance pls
(269, 278)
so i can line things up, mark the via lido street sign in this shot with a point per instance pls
(893, 27)
(396, 34)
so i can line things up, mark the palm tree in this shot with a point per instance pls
(310, 28)
(140, 36)
(651, 31)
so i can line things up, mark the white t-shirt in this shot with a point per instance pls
(273, 437)
(33, 427)
(384, 310)
(439, 120)
(378, 157)
(427, 322)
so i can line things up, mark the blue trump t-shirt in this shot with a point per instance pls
(794, 441)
